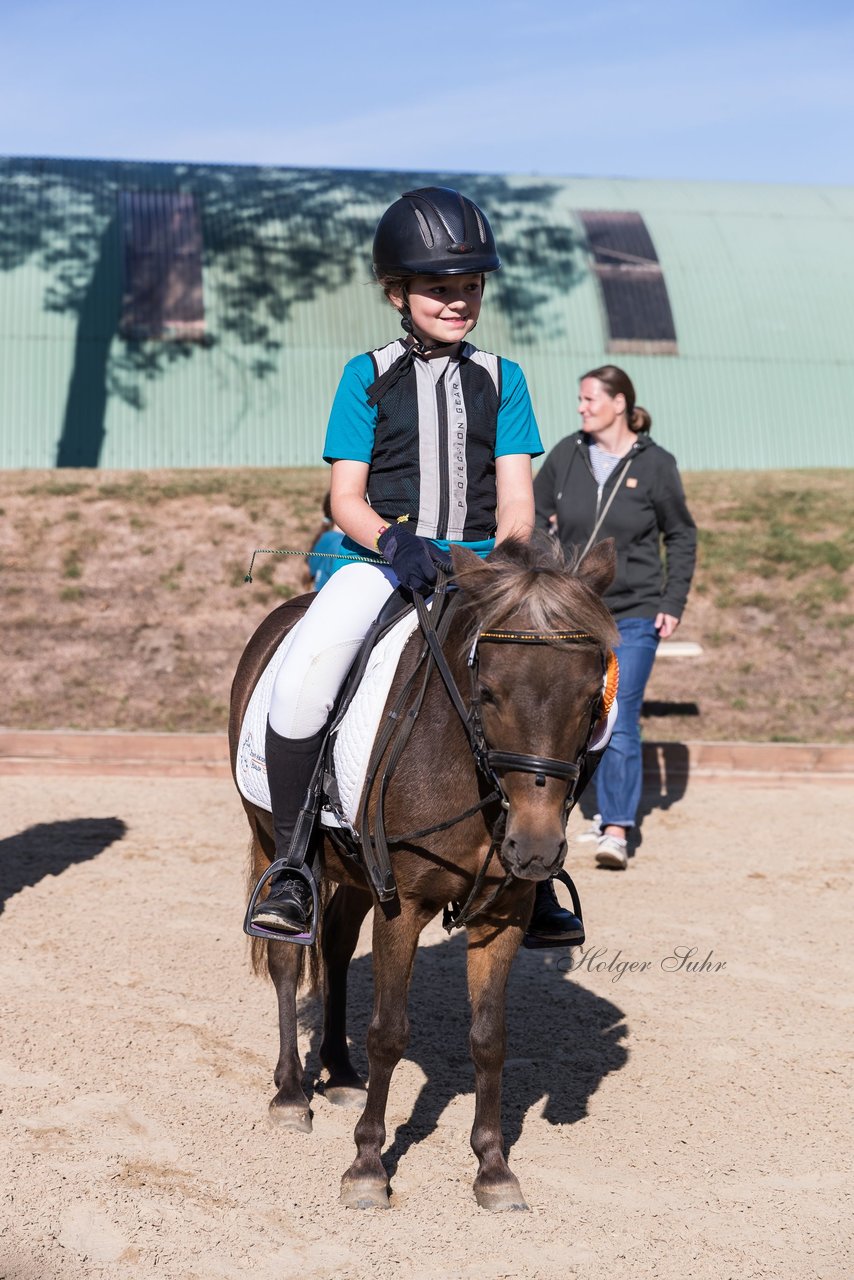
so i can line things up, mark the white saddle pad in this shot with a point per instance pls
(355, 735)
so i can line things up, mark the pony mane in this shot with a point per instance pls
(530, 585)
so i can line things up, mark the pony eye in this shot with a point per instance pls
(486, 695)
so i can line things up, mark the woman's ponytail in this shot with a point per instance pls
(640, 421)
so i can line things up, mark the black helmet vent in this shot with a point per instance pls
(451, 218)
(425, 227)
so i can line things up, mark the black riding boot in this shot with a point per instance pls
(551, 924)
(290, 765)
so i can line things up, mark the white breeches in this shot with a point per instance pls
(325, 643)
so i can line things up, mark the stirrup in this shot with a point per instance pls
(566, 879)
(274, 935)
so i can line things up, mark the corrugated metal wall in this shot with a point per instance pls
(760, 280)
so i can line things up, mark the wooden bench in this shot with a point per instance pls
(679, 649)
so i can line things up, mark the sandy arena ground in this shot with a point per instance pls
(664, 1122)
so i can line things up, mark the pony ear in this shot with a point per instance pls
(599, 566)
(466, 562)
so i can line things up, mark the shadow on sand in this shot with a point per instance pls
(562, 1040)
(49, 847)
(665, 782)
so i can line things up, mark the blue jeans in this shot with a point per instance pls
(619, 778)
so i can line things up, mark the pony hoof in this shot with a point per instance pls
(364, 1194)
(345, 1096)
(501, 1197)
(289, 1117)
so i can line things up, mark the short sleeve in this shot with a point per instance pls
(352, 422)
(517, 430)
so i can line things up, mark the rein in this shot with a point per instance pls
(490, 763)
(376, 846)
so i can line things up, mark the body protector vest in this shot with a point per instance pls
(433, 456)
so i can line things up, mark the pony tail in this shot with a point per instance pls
(640, 421)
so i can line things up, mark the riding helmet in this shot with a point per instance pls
(434, 231)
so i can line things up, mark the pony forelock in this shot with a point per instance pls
(530, 585)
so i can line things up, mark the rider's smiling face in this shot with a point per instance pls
(444, 309)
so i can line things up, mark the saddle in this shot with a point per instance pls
(340, 776)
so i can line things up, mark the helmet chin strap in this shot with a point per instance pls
(408, 327)
(419, 346)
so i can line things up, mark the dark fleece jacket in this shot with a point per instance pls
(649, 506)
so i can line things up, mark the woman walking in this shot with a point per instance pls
(610, 479)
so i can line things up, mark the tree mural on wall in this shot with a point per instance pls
(271, 238)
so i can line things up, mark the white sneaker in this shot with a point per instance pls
(591, 833)
(611, 852)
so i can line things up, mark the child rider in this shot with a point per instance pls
(427, 430)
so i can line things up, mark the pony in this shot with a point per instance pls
(474, 813)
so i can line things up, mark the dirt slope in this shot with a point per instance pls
(124, 604)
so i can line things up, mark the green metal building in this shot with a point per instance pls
(162, 315)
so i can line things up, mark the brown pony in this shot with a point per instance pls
(538, 698)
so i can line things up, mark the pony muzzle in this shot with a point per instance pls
(534, 844)
(531, 857)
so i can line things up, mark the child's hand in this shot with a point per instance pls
(415, 560)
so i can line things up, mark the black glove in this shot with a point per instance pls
(415, 560)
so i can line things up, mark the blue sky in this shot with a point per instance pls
(657, 89)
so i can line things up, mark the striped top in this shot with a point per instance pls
(432, 440)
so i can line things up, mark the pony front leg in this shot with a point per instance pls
(289, 1108)
(490, 954)
(365, 1184)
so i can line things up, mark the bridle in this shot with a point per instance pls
(498, 762)
(492, 764)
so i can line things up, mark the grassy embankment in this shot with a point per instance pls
(124, 604)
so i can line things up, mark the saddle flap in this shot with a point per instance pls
(356, 722)
(359, 723)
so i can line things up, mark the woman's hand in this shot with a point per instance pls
(665, 625)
